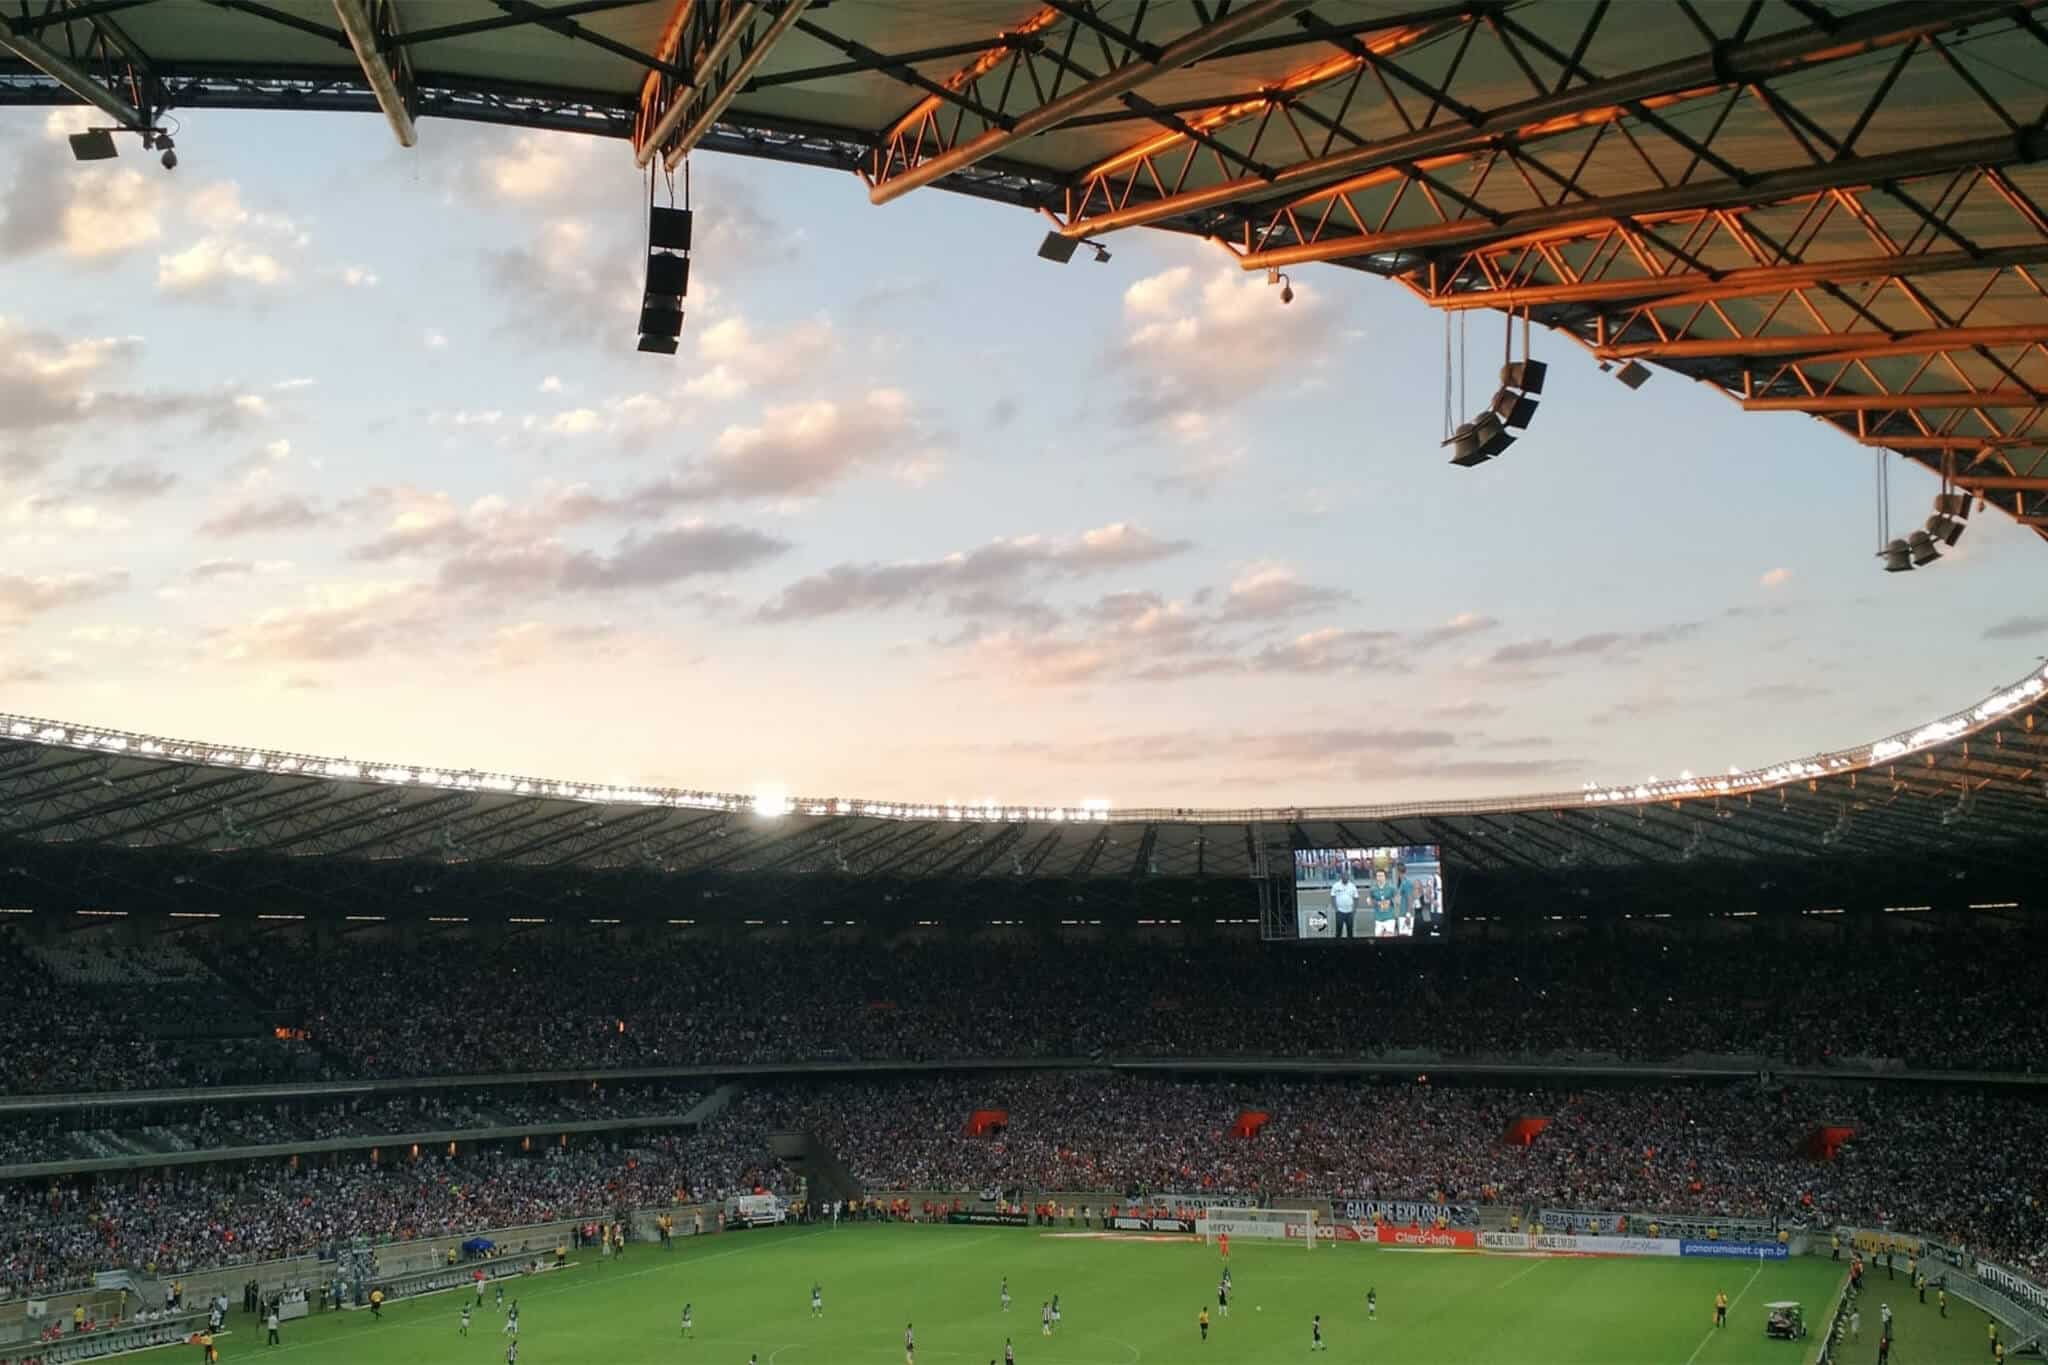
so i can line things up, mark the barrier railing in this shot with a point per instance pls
(111, 1341)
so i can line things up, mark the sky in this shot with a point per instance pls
(324, 445)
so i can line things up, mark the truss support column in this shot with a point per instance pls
(1182, 52)
(371, 25)
(732, 82)
(73, 78)
(710, 29)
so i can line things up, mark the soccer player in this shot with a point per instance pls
(1223, 1245)
(1721, 1309)
(1344, 898)
(1223, 1298)
(1055, 1312)
(1884, 1317)
(512, 1354)
(1202, 1321)
(512, 1321)
(817, 1300)
(909, 1346)
(1045, 1319)
(1941, 1300)
(464, 1329)
(689, 1320)
(1372, 1305)
(501, 1297)
(1315, 1341)
(1385, 923)
(1006, 1293)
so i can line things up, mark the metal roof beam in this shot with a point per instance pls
(1888, 402)
(387, 68)
(1568, 110)
(1564, 220)
(704, 112)
(62, 70)
(699, 35)
(463, 30)
(1827, 347)
(1187, 49)
(1683, 289)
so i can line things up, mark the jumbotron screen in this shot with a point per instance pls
(1368, 893)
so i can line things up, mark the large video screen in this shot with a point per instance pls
(1362, 894)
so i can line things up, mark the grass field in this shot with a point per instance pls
(1124, 1303)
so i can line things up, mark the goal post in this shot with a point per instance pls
(1301, 1226)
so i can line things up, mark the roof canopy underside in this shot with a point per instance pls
(1833, 208)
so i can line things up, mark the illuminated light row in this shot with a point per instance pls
(1885, 750)
(287, 917)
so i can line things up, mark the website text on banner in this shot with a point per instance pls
(1440, 1239)
(1607, 1246)
(1737, 1251)
(1262, 1225)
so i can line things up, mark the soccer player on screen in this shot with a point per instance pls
(1404, 902)
(1385, 920)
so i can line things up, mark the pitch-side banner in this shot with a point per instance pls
(1128, 1224)
(1506, 1241)
(2014, 1284)
(1735, 1251)
(989, 1217)
(1401, 1211)
(1463, 1239)
(1608, 1246)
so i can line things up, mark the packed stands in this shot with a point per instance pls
(1950, 1163)
(373, 1010)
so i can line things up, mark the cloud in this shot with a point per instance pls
(424, 522)
(1459, 627)
(869, 587)
(359, 277)
(737, 360)
(1775, 578)
(1267, 592)
(435, 340)
(336, 622)
(213, 264)
(1176, 334)
(1332, 650)
(220, 570)
(1602, 644)
(2017, 628)
(1198, 476)
(128, 481)
(566, 286)
(537, 167)
(92, 211)
(657, 559)
(260, 516)
(799, 450)
(24, 596)
(526, 643)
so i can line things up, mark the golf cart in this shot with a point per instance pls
(1784, 1321)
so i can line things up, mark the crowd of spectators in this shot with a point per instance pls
(1954, 1163)
(194, 1218)
(109, 1129)
(373, 1010)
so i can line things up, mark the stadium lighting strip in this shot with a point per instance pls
(772, 805)
(1884, 751)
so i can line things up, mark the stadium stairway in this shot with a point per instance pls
(825, 1175)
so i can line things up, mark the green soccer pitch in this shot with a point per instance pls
(1123, 1303)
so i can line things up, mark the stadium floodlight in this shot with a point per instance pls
(1464, 445)
(1526, 375)
(658, 345)
(1633, 375)
(1951, 511)
(94, 144)
(1897, 557)
(1057, 249)
(1922, 547)
(1945, 529)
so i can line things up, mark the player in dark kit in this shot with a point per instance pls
(1315, 1328)
(1223, 1298)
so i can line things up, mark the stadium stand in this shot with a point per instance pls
(371, 1011)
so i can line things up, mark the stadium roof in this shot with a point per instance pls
(1967, 791)
(1832, 208)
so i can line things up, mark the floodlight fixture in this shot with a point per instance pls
(1526, 375)
(94, 144)
(1464, 444)
(1493, 434)
(1955, 505)
(1286, 285)
(660, 317)
(1897, 557)
(668, 274)
(1923, 549)
(1633, 374)
(1057, 249)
